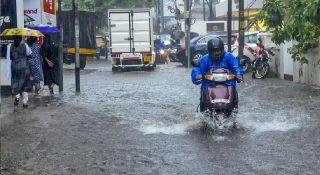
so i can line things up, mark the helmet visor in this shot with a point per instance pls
(216, 53)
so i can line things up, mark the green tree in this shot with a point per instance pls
(293, 20)
(103, 5)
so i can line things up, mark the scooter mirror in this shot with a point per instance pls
(242, 62)
(195, 63)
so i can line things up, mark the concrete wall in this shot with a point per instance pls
(286, 62)
(201, 26)
(308, 73)
(294, 71)
(222, 7)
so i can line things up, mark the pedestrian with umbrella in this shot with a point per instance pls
(48, 63)
(17, 65)
(35, 62)
(49, 52)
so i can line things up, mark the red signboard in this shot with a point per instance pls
(49, 6)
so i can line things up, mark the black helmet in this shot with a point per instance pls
(216, 48)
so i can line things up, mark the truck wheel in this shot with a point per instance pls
(67, 59)
(83, 61)
(103, 52)
(98, 56)
(149, 68)
(115, 69)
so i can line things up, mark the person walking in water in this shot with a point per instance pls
(18, 70)
(35, 62)
(48, 66)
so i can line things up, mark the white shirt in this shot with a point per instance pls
(8, 60)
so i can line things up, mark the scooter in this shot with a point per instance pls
(161, 56)
(219, 99)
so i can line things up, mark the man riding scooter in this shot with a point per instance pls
(160, 49)
(216, 58)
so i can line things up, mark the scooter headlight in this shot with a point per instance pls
(161, 51)
(220, 77)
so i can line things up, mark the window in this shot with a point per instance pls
(251, 38)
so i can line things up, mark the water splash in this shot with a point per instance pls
(265, 123)
(175, 129)
(219, 138)
(275, 126)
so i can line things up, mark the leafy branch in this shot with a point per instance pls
(293, 22)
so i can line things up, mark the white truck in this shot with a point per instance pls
(131, 39)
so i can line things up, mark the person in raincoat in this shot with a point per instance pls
(217, 57)
(18, 70)
(158, 45)
(35, 62)
(48, 63)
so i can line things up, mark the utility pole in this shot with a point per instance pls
(76, 44)
(162, 16)
(187, 16)
(241, 29)
(60, 26)
(204, 10)
(158, 15)
(229, 22)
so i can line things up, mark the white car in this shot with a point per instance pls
(250, 46)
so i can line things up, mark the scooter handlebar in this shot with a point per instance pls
(231, 77)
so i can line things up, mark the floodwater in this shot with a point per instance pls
(139, 122)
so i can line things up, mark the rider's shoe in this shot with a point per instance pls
(235, 110)
(16, 101)
(25, 105)
(51, 91)
(253, 75)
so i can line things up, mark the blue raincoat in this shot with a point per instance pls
(206, 63)
(159, 45)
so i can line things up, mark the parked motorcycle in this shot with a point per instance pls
(261, 67)
(219, 100)
(172, 54)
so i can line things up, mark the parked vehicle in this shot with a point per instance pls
(198, 46)
(250, 47)
(131, 40)
(261, 67)
(219, 99)
(101, 44)
(172, 54)
(172, 49)
(87, 34)
(247, 59)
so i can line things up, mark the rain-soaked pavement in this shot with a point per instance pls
(145, 123)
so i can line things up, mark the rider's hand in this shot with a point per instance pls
(199, 77)
(208, 75)
(239, 78)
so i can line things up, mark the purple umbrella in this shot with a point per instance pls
(45, 28)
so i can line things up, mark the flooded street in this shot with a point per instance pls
(140, 123)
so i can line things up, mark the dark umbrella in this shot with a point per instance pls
(45, 28)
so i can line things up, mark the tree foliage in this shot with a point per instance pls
(298, 20)
(102, 6)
